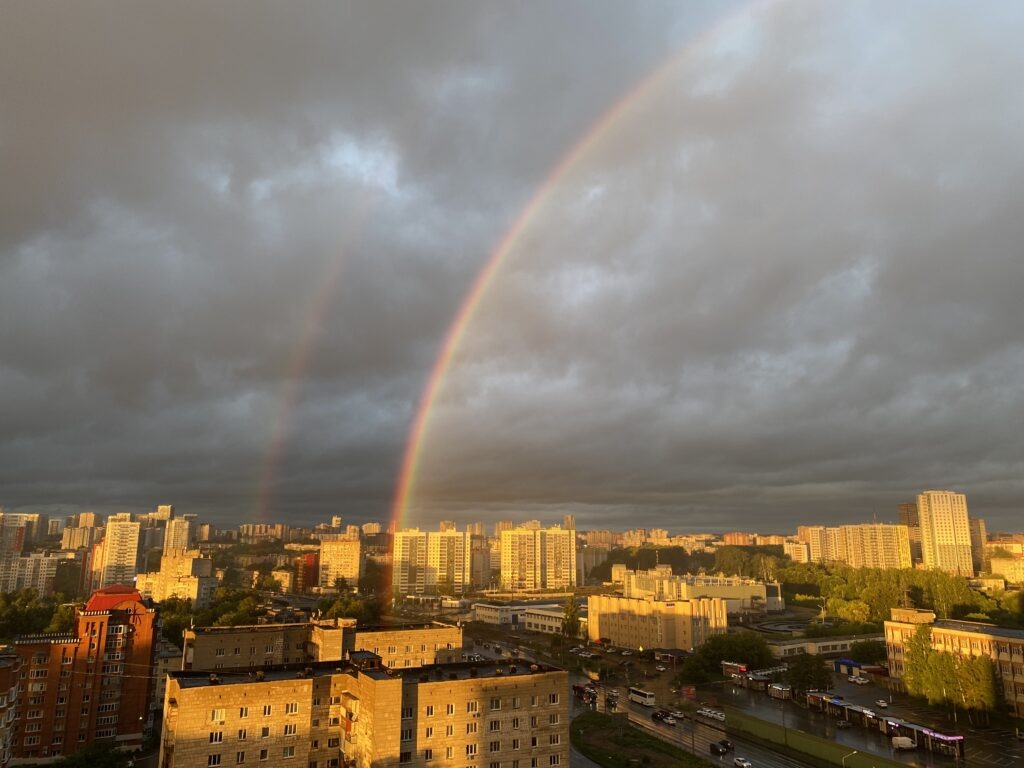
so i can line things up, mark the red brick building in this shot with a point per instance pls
(90, 685)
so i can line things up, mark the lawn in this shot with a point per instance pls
(611, 742)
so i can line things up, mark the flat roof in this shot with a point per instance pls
(984, 629)
(435, 673)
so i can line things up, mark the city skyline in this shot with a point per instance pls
(675, 267)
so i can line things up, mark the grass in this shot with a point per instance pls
(611, 742)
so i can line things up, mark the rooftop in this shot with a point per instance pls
(984, 629)
(411, 675)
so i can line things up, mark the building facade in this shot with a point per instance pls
(84, 687)
(1005, 647)
(362, 715)
(538, 559)
(945, 532)
(341, 559)
(645, 623)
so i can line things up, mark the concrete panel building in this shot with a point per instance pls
(341, 559)
(945, 532)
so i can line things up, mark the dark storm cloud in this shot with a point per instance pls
(232, 238)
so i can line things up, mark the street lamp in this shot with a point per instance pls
(846, 756)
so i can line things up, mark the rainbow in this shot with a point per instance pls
(412, 456)
(302, 355)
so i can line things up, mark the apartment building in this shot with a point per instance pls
(185, 574)
(945, 532)
(427, 562)
(741, 595)
(244, 648)
(961, 638)
(635, 622)
(364, 715)
(867, 545)
(341, 559)
(91, 685)
(411, 645)
(538, 559)
(177, 534)
(10, 674)
(115, 558)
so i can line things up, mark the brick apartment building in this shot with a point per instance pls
(92, 684)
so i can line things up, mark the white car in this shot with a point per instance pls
(882, 703)
(741, 762)
(627, 652)
(660, 668)
(861, 681)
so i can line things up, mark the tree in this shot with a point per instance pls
(706, 662)
(571, 618)
(868, 651)
(96, 756)
(341, 584)
(807, 672)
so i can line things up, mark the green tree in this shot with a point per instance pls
(868, 651)
(96, 756)
(571, 618)
(706, 662)
(807, 672)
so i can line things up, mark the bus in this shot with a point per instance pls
(640, 696)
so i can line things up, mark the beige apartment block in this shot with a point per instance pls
(507, 715)
(1010, 568)
(961, 638)
(647, 623)
(257, 646)
(538, 559)
(340, 559)
(741, 595)
(184, 573)
(945, 532)
(411, 645)
(874, 545)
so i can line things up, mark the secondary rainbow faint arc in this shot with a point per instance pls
(457, 330)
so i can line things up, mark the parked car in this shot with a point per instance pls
(717, 749)
(852, 679)
(678, 714)
(726, 743)
(627, 652)
(861, 681)
(660, 668)
(741, 762)
(882, 703)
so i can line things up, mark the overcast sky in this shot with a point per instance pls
(783, 285)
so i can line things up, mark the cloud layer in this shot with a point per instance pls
(781, 287)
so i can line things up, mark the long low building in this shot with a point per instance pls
(264, 645)
(646, 623)
(1005, 647)
(328, 715)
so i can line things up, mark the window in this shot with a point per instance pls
(515, 723)
(220, 651)
(495, 703)
(516, 702)
(291, 709)
(494, 765)
(242, 734)
(451, 709)
(264, 754)
(239, 758)
(265, 732)
(406, 734)
(533, 721)
(515, 743)
(494, 725)
(533, 741)
(243, 712)
(449, 752)
(291, 729)
(429, 733)
(495, 746)
(470, 750)
(554, 738)
(216, 714)
(213, 759)
(449, 730)
(471, 706)
(406, 713)
(267, 710)
(238, 651)
(331, 743)
(405, 757)
(430, 710)
(428, 754)
(470, 728)
(288, 751)
(216, 737)
(553, 760)
(553, 719)
(552, 698)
